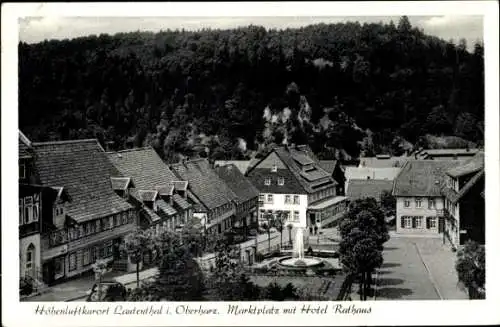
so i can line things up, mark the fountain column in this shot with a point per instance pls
(298, 243)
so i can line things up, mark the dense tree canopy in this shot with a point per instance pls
(224, 93)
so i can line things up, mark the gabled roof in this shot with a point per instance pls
(473, 165)
(372, 173)
(429, 153)
(422, 177)
(237, 182)
(364, 188)
(120, 183)
(82, 168)
(151, 214)
(328, 165)
(242, 165)
(180, 185)
(144, 166)
(454, 196)
(208, 187)
(303, 166)
(382, 162)
(167, 189)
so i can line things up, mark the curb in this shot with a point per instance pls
(429, 273)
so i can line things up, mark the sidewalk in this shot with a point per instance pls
(79, 288)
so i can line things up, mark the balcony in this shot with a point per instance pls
(58, 242)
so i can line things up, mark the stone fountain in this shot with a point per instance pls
(298, 259)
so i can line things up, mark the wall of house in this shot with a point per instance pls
(472, 214)
(279, 204)
(24, 243)
(413, 211)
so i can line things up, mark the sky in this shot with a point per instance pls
(37, 29)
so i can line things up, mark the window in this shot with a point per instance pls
(262, 213)
(296, 216)
(87, 228)
(30, 258)
(406, 222)
(58, 267)
(432, 204)
(261, 197)
(22, 171)
(288, 199)
(98, 225)
(418, 222)
(407, 203)
(28, 210)
(72, 261)
(124, 218)
(418, 202)
(267, 181)
(270, 198)
(86, 257)
(274, 168)
(35, 212)
(131, 217)
(431, 222)
(296, 199)
(281, 181)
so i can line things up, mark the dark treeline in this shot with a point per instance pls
(342, 88)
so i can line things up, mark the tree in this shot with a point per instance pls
(364, 231)
(135, 245)
(280, 217)
(388, 203)
(290, 227)
(179, 278)
(471, 269)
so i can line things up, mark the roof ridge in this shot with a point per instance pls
(65, 142)
(24, 138)
(133, 149)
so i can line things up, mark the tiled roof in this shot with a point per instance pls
(291, 185)
(237, 182)
(364, 188)
(372, 173)
(25, 150)
(82, 168)
(382, 162)
(151, 214)
(422, 177)
(204, 182)
(181, 202)
(473, 165)
(242, 165)
(429, 153)
(296, 160)
(328, 165)
(454, 196)
(120, 183)
(144, 166)
(166, 208)
(147, 195)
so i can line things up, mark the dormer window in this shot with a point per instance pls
(281, 181)
(267, 181)
(274, 168)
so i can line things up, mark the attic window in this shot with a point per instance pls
(281, 181)
(267, 181)
(274, 168)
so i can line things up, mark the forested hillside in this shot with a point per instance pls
(342, 88)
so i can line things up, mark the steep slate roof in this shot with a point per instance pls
(204, 182)
(25, 150)
(473, 165)
(82, 168)
(242, 165)
(180, 185)
(382, 162)
(328, 165)
(167, 189)
(363, 188)
(120, 183)
(237, 182)
(151, 214)
(454, 196)
(144, 166)
(147, 195)
(422, 177)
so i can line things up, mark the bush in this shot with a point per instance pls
(25, 286)
(259, 257)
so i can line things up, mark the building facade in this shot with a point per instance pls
(82, 217)
(291, 181)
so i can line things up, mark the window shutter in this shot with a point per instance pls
(403, 222)
(414, 222)
(428, 222)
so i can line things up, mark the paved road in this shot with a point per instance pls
(403, 274)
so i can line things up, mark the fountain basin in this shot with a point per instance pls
(300, 263)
